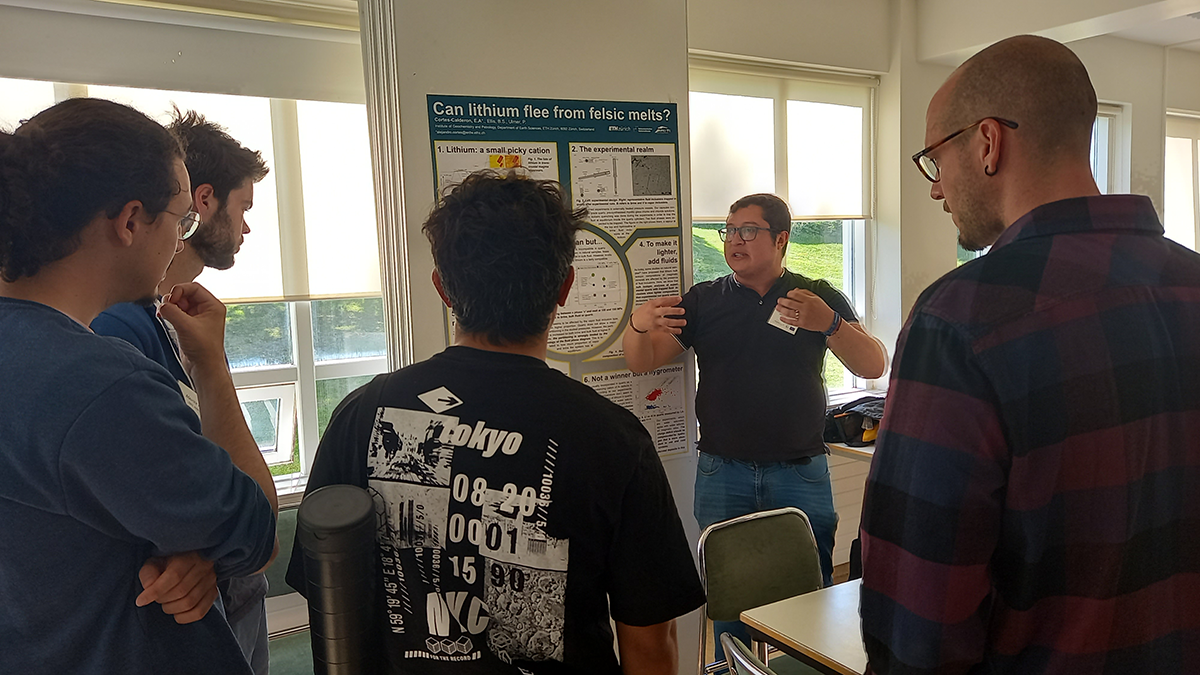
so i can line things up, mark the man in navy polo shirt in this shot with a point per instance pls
(760, 336)
(223, 173)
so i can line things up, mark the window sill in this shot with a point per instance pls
(841, 396)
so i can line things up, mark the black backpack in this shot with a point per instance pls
(849, 422)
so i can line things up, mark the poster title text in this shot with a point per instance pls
(531, 111)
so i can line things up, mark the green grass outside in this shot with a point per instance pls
(816, 261)
(329, 394)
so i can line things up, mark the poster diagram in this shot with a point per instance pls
(459, 159)
(620, 161)
(595, 178)
(625, 187)
(657, 398)
(595, 308)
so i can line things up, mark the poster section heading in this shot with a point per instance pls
(657, 398)
(531, 119)
(455, 160)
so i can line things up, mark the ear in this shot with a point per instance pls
(128, 223)
(991, 150)
(566, 287)
(437, 283)
(782, 240)
(204, 201)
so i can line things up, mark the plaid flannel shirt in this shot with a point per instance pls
(1034, 501)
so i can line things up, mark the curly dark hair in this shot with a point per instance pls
(503, 246)
(68, 164)
(214, 157)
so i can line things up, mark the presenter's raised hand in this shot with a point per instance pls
(184, 584)
(199, 319)
(659, 314)
(805, 309)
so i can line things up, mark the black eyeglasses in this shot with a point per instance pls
(928, 165)
(746, 232)
(188, 224)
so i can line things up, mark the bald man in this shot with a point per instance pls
(1034, 501)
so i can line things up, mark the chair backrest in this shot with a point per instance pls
(757, 559)
(739, 658)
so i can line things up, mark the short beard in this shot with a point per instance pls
(147, 302)
(979, 223)
(214, 242)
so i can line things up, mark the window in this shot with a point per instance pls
(802, 135)
(304, 323)
(1104, 155)
(1181, 216)
(22, 99)
(1107, 152)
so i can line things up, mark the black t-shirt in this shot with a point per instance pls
(761, 395)
(514, 504)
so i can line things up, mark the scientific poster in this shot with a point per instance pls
(620, 161)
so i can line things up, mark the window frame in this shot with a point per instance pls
(1116, 162)
(286, 395)
(304, 372)
(1186, 124)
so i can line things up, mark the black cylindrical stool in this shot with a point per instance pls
(335, 527)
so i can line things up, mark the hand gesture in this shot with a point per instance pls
(199, 319)
(659, 314)
(805, 309)
(184, 584)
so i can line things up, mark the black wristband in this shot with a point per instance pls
(635, 329)
(837, 322)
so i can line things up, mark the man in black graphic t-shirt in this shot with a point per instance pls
(517, 509)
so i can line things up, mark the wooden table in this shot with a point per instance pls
(821, 628)
(865, 453)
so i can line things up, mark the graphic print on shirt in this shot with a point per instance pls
(467, 563)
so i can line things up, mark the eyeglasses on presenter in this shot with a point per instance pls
(928, 165)
(746, 232)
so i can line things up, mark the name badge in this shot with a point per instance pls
(190, 397)
(777, 321)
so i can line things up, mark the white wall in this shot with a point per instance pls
(915, 238)
(69, 47)
(1183, 80)
(844, 34)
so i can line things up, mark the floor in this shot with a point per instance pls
(292, 655)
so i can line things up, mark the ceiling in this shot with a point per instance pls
(1182, 32)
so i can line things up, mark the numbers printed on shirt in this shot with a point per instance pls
(467, 571)
(514, 577)
(523, 501)
(492, 537)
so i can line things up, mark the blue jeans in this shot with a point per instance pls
(727, 488)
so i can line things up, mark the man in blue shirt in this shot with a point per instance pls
(223, 174)
(114, 496)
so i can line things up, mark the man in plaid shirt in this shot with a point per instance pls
(1034, 502)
